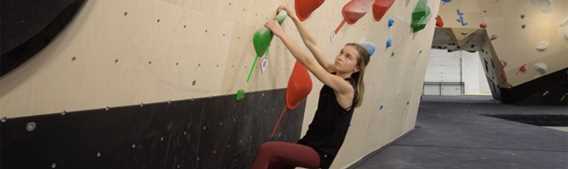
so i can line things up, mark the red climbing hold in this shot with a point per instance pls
(483, 25)
(439, 21)
(304, 8)
(299, 86)
(380, 7)
(353, 11)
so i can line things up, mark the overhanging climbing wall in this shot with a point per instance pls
(24, 33)
(521, 43)
(152, 83)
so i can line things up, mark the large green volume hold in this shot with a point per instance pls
(263, 37)
(420, 16)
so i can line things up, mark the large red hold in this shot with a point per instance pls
(353, 11)
(299, 86)
(304, 8)
(380, 7)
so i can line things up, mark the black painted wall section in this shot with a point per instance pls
(27, 26)
(551, 89)
(208, 133)
(2, 137)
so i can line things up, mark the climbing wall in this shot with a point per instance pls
(521, 42)
(152, 84)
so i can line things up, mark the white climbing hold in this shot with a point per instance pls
(31, 126)
(541, 68)
(564, 22)
(565, 33)
(564, 28)
(544, 5)
(542, 45)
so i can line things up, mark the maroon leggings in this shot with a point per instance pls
(283, 155)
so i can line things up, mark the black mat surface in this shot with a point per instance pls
(453, 132)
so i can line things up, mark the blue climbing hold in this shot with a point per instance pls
(389, 42)
(369, 47)
(391, 23)
(461, 18)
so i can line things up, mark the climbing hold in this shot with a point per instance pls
(542, 45)
(380, 7)
(389, 42)
(370, 47)
(461, 18)
(439, 21)
(304, 8)
(445, 2)
(483, 25)
(420, 16)
(299, 86)
(30, 126)
(261, 41)
(263, 37)
(493, 37)
(564, 28)
(353, 11)
(545, 93)
(541, 68)
(523, 68)
(390, 23)
(240, 95)
(544, 5)
(564, 22)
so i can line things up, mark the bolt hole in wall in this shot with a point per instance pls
(454, 74)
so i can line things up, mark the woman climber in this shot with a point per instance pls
(342, 91)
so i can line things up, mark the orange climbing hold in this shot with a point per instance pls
(304, 8)
(380, 7)
(353, 11)
(439, 22)
(299, 86)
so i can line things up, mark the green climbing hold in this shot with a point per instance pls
(240, 95)
(261, 41)
(262, 38)
(420, 16)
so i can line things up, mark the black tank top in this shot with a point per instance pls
(329, 126)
